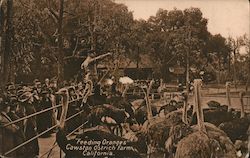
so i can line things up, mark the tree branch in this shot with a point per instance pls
(53, 13)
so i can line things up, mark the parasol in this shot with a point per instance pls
(125, 80)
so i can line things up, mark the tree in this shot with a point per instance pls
(176, 33)
(218, 55)
(235, 45)
(103, 26)
(247, 44)
(8, 43)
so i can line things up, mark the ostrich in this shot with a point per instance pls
(237, 129)
(207, 140)
(96, 134)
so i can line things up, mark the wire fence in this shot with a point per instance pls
(42, 133)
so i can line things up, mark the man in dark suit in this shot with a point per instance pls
(19, 137)
(30, 129)
(7, 133)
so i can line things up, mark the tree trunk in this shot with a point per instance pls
(138, 57)
(38, 62)
(92, 30)
(234, 67)
(229, 63)
(219, 73)
(60, 70)
(8, 43)
(1, 41)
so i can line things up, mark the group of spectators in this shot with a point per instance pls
(18, 101)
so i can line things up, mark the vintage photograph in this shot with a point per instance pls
(124, 79)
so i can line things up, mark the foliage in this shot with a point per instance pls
(176, 33)
(104, 26)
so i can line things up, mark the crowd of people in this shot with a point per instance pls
(21, 101)
(18, 101)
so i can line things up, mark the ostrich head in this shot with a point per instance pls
(228, 84)
(63, 92)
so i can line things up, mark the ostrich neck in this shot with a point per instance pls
(64, 111)
(149, 108)
(242, 109)
(184, 113)
(228, 96)
(199, 111)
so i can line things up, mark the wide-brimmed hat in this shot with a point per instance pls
(25, 96)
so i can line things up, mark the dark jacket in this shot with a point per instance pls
(31, 129)
(7, 135)
(19, 137)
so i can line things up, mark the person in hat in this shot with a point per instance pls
(37, 86)
(74, 107)
(44, 120)
(14, 108)
(11, 89)
(30, 129)
(54, 99)
(7, 133)
(19, 136)
(47, 83)
(20, 110)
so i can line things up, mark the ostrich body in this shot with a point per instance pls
(164, 110)
(164, 132)
(141, 113)
(237, 128)
(98, 112)
(216, 116)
